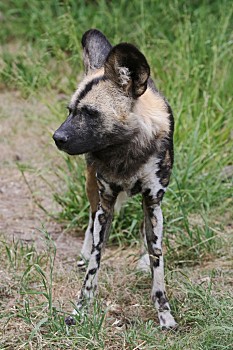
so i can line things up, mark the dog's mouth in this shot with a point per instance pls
(70, 148)
(64, 143)
(86, 141)
(75, 146)
(68, 151)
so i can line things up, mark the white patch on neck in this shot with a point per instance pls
(124, 75)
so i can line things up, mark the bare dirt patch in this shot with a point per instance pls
(25, 141)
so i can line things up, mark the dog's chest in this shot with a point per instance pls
(142, 180)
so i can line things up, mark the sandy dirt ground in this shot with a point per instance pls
(25, 140)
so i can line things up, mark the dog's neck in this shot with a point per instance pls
(123, 160)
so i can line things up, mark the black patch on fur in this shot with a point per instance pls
(137, 188)
(159, 294)
(156, 261)
(164, 174)
(88, 288)
(165, 307)
(160, 195)
(166, 153)
(150, 200)
(102, 219)
(154, 240)
(162, 319)
(172, 123)
(98, 257)
(101, 237)
(162, 300)
(153, 252)
(165, 167)
(93, 247)
(170, 138)
(156, 253)
(93, 221)
(92, 271)
(116, 189)
(92, 226)
(146, 194)
(90, 112)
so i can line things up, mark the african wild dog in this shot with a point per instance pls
(125, 127)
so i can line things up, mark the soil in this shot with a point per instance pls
(25, 141)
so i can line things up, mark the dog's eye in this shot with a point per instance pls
(90, 112)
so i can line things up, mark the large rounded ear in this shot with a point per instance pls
(128, 68)
(96, 48)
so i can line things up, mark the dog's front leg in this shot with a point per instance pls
(154, 231)
(92, 192)
(102, 223)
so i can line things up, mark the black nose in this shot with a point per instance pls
(60, 138)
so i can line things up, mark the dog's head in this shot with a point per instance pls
(100, 108)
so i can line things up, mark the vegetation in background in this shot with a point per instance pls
(188, 45)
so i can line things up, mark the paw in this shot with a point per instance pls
(70, 321)
(167, 321)
(144, 263)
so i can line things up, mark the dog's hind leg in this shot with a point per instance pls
(154, 231)
(93, 197)
(143, 264)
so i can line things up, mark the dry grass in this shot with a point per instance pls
(122, 317)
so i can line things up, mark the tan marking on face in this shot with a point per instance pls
(109, 101)
(93, 74)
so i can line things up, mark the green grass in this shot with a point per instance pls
(189, 48)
